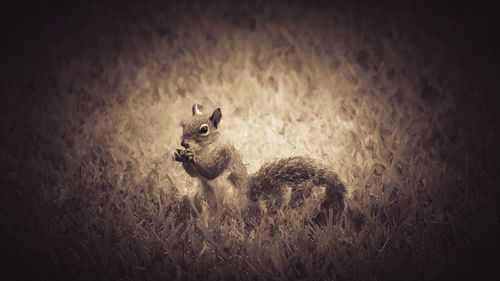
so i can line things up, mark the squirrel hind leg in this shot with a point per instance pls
(300, 193)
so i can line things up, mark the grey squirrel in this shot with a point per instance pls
(211, 158)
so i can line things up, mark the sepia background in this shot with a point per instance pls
(401, 100)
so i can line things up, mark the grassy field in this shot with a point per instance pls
(400, 101)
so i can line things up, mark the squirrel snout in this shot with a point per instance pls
(184, 144)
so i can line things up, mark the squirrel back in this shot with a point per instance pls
(218, 166)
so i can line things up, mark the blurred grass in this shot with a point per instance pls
(93, 118)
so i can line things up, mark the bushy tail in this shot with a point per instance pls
(298, 173)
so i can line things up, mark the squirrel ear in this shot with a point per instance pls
(215, 118)
(196, 109)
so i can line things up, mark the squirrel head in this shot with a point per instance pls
(201, 129)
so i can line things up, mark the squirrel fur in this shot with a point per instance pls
(211, 158)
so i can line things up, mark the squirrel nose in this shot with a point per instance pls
(184, 144)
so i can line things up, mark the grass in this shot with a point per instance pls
(91, 191)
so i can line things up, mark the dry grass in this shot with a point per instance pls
(87, 161)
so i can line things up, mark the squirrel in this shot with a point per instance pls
(214, 160)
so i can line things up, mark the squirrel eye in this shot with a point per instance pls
(203, 130)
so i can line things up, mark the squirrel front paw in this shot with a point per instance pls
(183, 155)
(188, 154)
(178, 155)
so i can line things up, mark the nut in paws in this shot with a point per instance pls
(183, 155)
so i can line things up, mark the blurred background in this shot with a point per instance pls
(401, 99)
